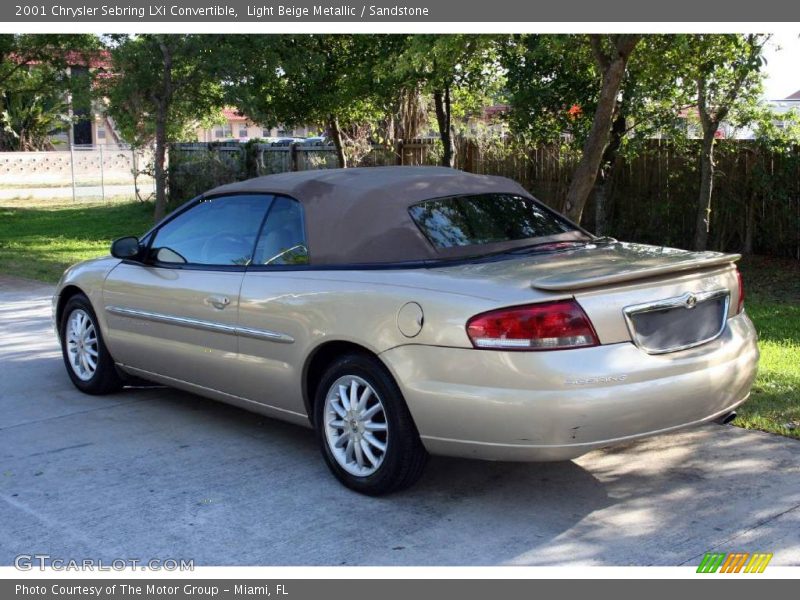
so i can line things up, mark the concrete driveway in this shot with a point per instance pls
(156, 473)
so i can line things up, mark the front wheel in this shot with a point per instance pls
(366, 433)
(89, 365)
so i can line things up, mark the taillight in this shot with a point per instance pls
(546, 326)
(740, 304)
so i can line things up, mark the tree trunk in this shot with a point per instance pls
(711, 115)
(613, 68)
(160, 170)
(441, 101)
(336, 136)
(703, 222)
(750, 224)
(162, 111)
(600, 198)
(391, 129)
(605, 174)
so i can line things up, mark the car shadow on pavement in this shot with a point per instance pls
(158, 472)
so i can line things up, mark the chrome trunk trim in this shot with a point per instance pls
(688, 301)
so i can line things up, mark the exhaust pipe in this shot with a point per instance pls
(725, 419)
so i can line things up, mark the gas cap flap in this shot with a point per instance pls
(410, 319)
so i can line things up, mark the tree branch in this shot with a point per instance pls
(600, 57)
(625, 44)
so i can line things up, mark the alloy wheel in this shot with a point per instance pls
(356, 429)
(82, 345)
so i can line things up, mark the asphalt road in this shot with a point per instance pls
(156, 473)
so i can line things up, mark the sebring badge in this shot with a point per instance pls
(593, 380)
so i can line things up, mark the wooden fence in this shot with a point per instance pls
(651, 198)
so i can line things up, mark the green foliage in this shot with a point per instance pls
(137, 89)
(250, 165)
(775, 132)
(19, 52)
(35, 83)
(725, 70)
(550, 101)
(33, 112)
(659, 93)
(460, 73)
(307, 79)
(467, 64)
(547, 100)
(164, 85)
(193, 172)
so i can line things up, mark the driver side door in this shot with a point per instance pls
(175, 314)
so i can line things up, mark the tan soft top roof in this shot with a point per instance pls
(360, 216)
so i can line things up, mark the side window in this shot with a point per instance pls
(283, 239)
(218, 231)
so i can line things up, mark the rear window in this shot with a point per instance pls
(485, 219)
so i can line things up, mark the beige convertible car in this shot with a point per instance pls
(403, 311)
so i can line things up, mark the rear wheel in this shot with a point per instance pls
(89, 365)
(365, 431)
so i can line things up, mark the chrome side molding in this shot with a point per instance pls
(259, 334)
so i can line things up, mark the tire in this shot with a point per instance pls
(85, 340)
(350, 435)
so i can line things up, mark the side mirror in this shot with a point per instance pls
(126, 247)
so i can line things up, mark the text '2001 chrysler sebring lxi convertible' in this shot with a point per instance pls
(402, 311)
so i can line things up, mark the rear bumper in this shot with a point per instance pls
(541, 406)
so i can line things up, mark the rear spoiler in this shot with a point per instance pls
(605, 274)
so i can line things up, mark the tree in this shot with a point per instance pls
(460, 72)
(725, 70)
(319, 79)
(37, 86)
(771, 175)
(553, 104)
(161, 85)
(611, 53)
(31, 116)
(547, 101)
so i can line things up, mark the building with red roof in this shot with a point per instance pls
(236, 125)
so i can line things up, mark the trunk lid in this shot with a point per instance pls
(662, 299)
(620, 262)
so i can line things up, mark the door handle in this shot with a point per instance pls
(218, 302)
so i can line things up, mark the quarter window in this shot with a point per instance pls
(282, 240)
(218, 231)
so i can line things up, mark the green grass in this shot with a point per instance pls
(773, 303)
(81, 182)
(39, 239)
